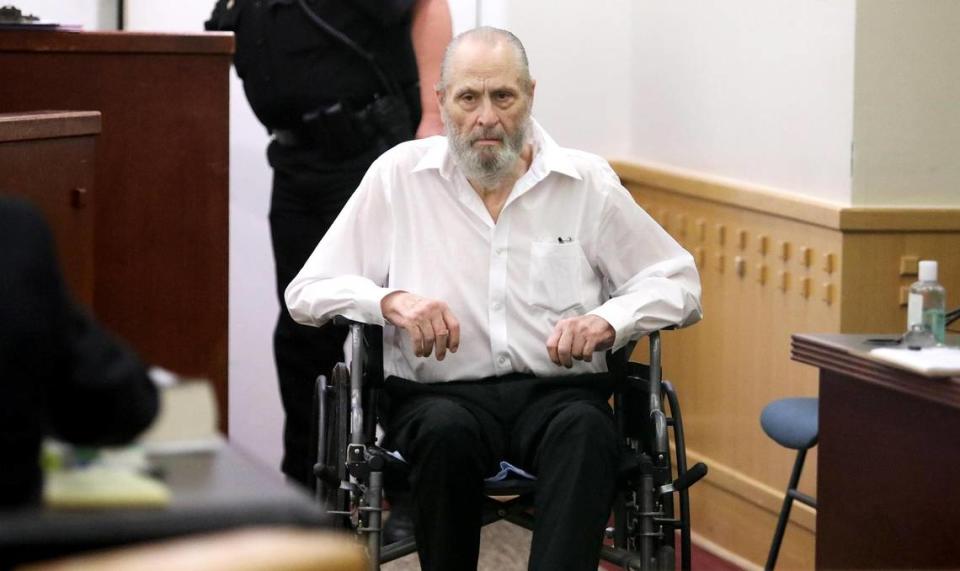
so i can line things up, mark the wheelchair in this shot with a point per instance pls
(350, 466)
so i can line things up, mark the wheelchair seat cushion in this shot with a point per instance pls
(791, 422)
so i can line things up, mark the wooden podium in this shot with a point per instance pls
(160, 239)
(888, 469)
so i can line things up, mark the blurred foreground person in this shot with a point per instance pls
(61, 374)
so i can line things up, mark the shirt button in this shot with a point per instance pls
(497, 305)
(499, 251)
(502, 360)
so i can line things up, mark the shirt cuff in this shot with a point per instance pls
(622, 324)
(371, 307)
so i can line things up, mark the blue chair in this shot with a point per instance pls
(791, 423)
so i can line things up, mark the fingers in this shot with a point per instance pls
(589, 347)
(578, 339)
(560, 344)
(429, 337)
(453, 327)
(552, 342)
(445, 331)
(416, 338)
(565, 347)
(431, 325)
(441, 336)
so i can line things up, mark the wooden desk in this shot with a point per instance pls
(888, 460)
(211, 491)
(160, 246)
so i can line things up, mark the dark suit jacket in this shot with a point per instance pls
(60, 373)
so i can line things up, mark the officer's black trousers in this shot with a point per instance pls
(308, 194)
(454, 434)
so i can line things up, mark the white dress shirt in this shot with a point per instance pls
(569, 240)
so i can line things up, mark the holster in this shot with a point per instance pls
(339, 132)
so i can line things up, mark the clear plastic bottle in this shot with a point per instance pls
(926, 309)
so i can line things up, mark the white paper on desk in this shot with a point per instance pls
(932, 361)
(187, 421)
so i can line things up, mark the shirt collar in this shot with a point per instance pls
(548, 156)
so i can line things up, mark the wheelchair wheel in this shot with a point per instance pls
(333, 431)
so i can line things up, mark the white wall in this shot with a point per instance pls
(907, 103)
(91, 14)
(580, 57)
(167, 16)
(754, 90)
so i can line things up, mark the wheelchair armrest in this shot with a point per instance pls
(369, 348)
(618, 360)
(345, 321)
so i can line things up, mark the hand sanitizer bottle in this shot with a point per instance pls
(926, 309)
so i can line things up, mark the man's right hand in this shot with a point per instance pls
(429, 322)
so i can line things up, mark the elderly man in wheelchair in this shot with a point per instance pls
(499, 264)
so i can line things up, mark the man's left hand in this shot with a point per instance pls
(579, 338)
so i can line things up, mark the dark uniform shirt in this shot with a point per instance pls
(290, 67)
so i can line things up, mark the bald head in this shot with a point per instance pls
(493, 38)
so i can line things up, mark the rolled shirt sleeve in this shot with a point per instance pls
(348, 270)
(653, 280)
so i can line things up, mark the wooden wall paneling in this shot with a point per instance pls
(161, 245)
(740, 361)
(772, 265)
(48, 159)
(872, 294)
(725, 519)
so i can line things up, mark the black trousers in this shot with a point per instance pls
(308, 194)
(454, 434)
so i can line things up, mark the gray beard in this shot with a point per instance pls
(486, 166)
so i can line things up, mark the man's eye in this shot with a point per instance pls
(467, 97)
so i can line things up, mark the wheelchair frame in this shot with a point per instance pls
(350, 467)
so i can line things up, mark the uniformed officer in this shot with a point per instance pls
(336, 83)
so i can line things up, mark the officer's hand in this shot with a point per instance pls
(430, 125)
(578, 338)
(430, 323)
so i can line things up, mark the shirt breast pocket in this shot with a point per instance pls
(554, 282)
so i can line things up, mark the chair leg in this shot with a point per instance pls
(785, 510)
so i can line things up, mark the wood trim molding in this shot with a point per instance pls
(753, 491)
(770, 201)
(116, 42)
(730, 193)
(723, 553)
(34, 125)
(901, 219)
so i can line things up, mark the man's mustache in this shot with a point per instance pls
(495, 133)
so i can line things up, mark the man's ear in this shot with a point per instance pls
(533, 87)
(441, 95)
